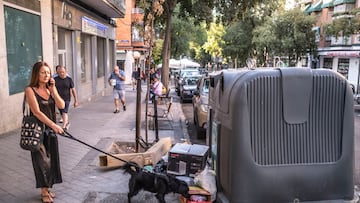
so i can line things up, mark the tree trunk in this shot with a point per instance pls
(169, 6)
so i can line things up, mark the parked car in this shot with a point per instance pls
(188, 86)
(184, 73)
(355, 92)
(200, 103)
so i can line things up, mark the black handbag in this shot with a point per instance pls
(32, 130)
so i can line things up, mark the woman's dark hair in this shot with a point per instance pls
(34, 80)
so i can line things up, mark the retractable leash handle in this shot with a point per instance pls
(69, 136)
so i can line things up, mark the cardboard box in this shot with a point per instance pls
(150, 157)
(154, 154)
(197, 191)
(186, 159)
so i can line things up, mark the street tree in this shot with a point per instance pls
(187, 39)
(202, 11)
(230, 11)
(288, 34)
(181, 35)
(237, 42)
(265, 41)
(344, 26)
(213, 45)
(238, 39)
(196, 50)
(157, 50)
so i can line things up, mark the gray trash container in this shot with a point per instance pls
(282, 135)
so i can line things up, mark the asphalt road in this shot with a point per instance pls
(189, 116)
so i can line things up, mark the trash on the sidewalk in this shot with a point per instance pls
(149, 157)
(187, 179)
(206, 179)
(186, 159)
(197, 195)
(154, 154)
(160, 167)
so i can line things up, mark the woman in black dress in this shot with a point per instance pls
(42, 97)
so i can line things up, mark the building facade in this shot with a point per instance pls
(340, 54)
(79, 34)
(130, 40)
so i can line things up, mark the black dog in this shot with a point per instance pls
(161, 184)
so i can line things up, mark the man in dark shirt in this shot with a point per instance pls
(65, 87)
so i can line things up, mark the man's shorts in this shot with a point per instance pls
(66, 108)
(119, 94)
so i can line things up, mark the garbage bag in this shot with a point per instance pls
(206, 180)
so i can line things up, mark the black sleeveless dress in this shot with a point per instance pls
(46, 162)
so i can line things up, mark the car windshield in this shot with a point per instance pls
(191, 81)
(189, 73)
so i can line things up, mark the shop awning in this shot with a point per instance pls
(327, 3)
(307, 8)
(315, 7)
(111, 8)
(337, 2)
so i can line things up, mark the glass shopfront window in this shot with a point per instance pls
(100, 57)
(23, 46)
(85, 57)
(343, 67)
(328, 62)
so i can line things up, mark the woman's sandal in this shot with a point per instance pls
(46, 198)
(52, 195)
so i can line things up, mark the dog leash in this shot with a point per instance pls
(69, 136)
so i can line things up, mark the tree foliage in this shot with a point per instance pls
(288, 34)
(248, 29)
(214, 42)
(238, 36)
(230, 11)
(157, 50)
(345, 24)
(237, 41)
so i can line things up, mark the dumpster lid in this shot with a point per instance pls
(297, 88)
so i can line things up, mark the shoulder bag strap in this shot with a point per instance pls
(26, 107)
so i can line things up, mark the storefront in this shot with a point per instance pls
(23, 42)
(78, 34)
(85, 44)
(346, 63)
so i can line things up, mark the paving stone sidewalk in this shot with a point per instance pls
(83, 180)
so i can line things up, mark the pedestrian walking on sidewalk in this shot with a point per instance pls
(42, 96)
(65, 87)
(117, 80)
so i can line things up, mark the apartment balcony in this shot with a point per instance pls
(137, 15)
(343, 6)
(327, 4)
(109, 8)
(316, 7)
(137, 11)
(339, 2)
(341, 41)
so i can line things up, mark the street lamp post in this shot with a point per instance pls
(136, 56)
